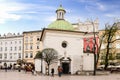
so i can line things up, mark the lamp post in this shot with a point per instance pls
(94, 48)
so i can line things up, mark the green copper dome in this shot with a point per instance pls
(61, 24)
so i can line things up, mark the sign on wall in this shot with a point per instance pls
(89, 45)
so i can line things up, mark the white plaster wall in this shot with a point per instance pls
(13, 45)
(74, 48)
(37, 65)
(88, 62)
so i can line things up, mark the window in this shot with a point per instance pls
(5, 56)
(19, 42)
(10, 55)
(0, 56)
(26, 47)
(103, 56)
(117, 36)
(118, 56)
(15, 55)
(15, 48)
(38, 39)
(103, 46)
(19, 55)
(26, 55)
(31, 55)
(1, 43)
(31, 47)
(5, 48)
(64, 44)
(117, 45)
(15, 42)
(26, 39)
(38, 45)
(11, 48)
(19, 47)
(31, 39)
(1, 49)
(5, 43)
(110, 45)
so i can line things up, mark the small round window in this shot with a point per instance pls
(64, 44)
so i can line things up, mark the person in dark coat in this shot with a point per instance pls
(60, 71)
(52, 71)
(5, 65)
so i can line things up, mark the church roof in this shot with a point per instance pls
(61, 24)
(61, 31)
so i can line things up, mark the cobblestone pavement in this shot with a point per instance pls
(14, 75)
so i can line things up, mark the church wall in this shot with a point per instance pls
(74, 48)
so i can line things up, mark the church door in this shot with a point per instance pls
(65, 67)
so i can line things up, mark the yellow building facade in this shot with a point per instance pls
(31, 43)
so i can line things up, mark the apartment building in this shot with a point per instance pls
(31, 44)
(11, 48)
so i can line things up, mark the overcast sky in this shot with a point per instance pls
(28, 15)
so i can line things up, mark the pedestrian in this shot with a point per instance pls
(10, 66)
(5, 65)
(59, 71)
(19, 68)
(52, 72)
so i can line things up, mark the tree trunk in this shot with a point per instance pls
(106, 57)
(41, 65)
(97, 58)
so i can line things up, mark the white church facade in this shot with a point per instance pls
(69, 43)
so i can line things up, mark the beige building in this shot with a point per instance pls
(31, 43)
(87, 26)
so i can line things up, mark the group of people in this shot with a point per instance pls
(59, 71)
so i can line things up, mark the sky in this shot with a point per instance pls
(17, 16)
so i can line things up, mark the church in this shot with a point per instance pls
(73, 54)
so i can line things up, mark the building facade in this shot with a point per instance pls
(31, 43)
(11, 48)
(71, 57)
(87, 26)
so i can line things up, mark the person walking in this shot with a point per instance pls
(52, 72)
(5, 65)
(60, 71)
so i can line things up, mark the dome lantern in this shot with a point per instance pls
(60, 13)
(60, 22)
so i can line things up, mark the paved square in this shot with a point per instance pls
(14, 75)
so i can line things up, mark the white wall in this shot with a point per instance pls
(74, 48)
(88, 62)
(13, 45)
(37, 65)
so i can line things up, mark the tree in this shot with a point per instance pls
(99, 47)
(39, 56)
(109, 34)
(50, 56)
